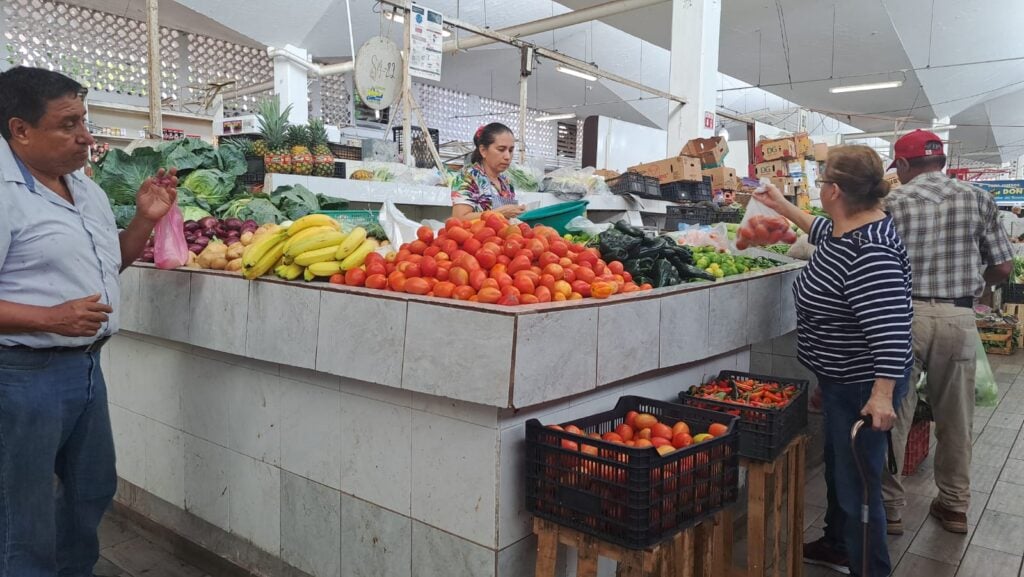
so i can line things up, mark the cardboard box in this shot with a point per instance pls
(722, 178)
(894, 180)
(606, 174)
(676, 169)
(820, 151)
(804, 146)
(779, 149)
(710, 151)
(787, 185)
(775, 168)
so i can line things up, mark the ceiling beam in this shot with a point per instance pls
(553, 23)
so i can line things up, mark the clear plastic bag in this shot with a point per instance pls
(703, 235)
(585, 225)
(762, 226)
(169, 247)
(986, 391)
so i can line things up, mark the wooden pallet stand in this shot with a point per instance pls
(788, 469)
(694, 552)
(996, 337)
(1017, 310)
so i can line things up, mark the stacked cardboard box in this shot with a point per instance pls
(676, 169)
(710, 151)
(791, 162)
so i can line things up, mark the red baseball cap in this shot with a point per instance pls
(917, 144)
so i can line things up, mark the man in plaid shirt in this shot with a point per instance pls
(956, 247)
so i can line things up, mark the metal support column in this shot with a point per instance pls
(156, 122)
(407, 92)
(525, 69)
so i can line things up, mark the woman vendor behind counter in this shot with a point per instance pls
(483, 185)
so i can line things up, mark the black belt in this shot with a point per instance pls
(962, 302)
(93, 347)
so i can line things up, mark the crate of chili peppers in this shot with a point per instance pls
(635, 475)
(772, 411)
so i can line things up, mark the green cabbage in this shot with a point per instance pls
(191, 212)
(210, 187)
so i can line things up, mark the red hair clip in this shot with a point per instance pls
(479, 132)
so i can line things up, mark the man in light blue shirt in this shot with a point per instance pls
(60, 256)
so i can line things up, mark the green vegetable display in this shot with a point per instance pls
(719, 264)
(658, 260)
(210, 187)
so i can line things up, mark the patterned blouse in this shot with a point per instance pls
(472, 187)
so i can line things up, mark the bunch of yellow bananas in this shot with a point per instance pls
(312, 247)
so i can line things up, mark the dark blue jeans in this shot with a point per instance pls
(53, 422)
(843, 529)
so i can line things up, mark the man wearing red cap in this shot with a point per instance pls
(956, 247)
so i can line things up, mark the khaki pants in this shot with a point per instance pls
(945, 347)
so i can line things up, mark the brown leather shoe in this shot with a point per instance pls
(951, 520)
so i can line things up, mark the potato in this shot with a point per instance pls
(218, 248)
(235, 251)
(234, 265)
(219, 263)
(246, 238)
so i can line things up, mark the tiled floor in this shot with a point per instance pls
(125, 552)
(994, 544)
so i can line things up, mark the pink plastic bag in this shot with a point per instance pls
(169, 247)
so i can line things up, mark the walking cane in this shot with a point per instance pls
(865, 505)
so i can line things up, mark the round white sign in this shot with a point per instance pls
(378, 72)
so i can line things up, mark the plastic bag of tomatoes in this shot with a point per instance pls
(762, 226)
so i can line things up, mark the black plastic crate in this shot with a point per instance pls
(340, 151)
(764, 432)
(691, 214)
(625, 495)
(339, 170)
(636, 183)
(421, 153)
(731, 216)
(687, 191)
(1013, 293)
(255, 171)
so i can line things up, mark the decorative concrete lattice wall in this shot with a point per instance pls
(108, 54)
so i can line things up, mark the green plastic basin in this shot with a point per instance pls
(556, 216)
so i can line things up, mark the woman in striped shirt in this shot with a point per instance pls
(853, 326)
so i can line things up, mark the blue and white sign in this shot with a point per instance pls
(427, 43)
(1004, 191)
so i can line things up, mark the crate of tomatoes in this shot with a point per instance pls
(635, 475)
(772, 411)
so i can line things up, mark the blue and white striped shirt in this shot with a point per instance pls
(854, 307)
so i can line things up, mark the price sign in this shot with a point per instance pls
(378, 73)
(427, 43)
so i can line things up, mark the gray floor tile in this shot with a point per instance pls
(983, 477)
(917, 566)
(114, 531)
(1007, 498)
(1006, 419)
(990, 455)
(812, 514)
(998, 436)
(106, 568)
(1001, 532)
(1013, 471)
(979, 502)
(141, 557)
(934, 542)
(980, 562)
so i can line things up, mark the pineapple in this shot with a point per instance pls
(302, 160)
(323, 160)
(259, 148)
(273, 128)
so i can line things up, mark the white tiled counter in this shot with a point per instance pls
(310, 429)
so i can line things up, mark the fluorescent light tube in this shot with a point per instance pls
(574, 72)
(551, 117)
(863, 87)
(395, 17)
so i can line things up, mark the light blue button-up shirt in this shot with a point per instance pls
(52, 251)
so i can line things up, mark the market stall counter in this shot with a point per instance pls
(316, 429)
